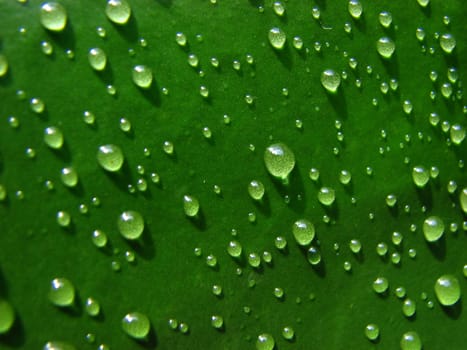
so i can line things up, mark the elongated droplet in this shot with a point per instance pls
(411, 341)
(118, 11)
(303, 231)
(190, 206)
(385, 47)
(433, 228)
(53, 16)
(277, 38)
(97, 59)
(279, 160)
(330, 80)
(110, 157)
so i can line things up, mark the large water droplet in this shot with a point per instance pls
(355, 8)
(53, 137)
(118, 11)
(53, 16)
(136, 325)
(303, 231)
(265, 341)
(447, 290)
(110, 157)
(411, 341)
(277, 38)
(97, 59)
(142, 76)
(433, 228)
(279, 160)
(130, 224)
(330, 80)
(190, 205)
(61, 292)
(7, 316)
(385, 47)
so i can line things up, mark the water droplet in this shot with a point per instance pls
(254, 259)
(457, 133)
(63, 218)
(142, 76)
(303, 231)
(37, 105)
(447, 42)
(407, 107)
(372, 331)
(463, 199)
(288, 333)
(118, 11)
(345, 177)
(99, 238)
(211, 260)
(53, 16)
(279, 160)
(391, 200)
(265, 341)
(420, 176)
(277, 38)
(313, 256)
(61, 292)
(409, 307)
(183, 327)
(385, 19)
(330, 80)
(110, 157)
(400, 292)
(180, 39)
(92, 307)
(355, 246)
(204, 91)
(69, 177)
(385, 47)
(280, 242)
(234, 249)
(326, 196)
(173, 323)
(130, 224)
(7, 316)
(256, 189)
(47, 48)
(380, 285)
(278, 8)
(217, 321)
(59, 345)
(355, 8)
(97, 58)
(411, 340)
(3, 65)
(297, 42)
(190, 205)
(136, 325)
(433, 228)
(423, 3)
(314, 174)
(217, 290)
(53, 137)
(447, 290)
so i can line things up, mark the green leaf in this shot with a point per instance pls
(360, 129)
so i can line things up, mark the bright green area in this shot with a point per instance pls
(326, 306)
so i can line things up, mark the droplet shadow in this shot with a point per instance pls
(129, 30)
(144, 246)
(339, 103)
(292, 189)
(453, 311)
(150, 342)
(284, 56)
(263, 205)
(438, 248)
(122, 177)
(65, 39)
(152, 94)
(425, 196)
(199, 221)
(15, 337)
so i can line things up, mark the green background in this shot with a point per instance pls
(168, 280)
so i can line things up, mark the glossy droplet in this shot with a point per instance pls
(99, 238)
(278, 8)
(53, 137)
(59, 345)
(385, 19)
(130, 224)
(265, 341)
(313, 255)
(457, 133)
(288, 333)
(326, 196)
(411, 341)
(433, 228)
(3, 65)
(92, 307)
(180, 39)
(37, 105)
(7, 316)
(118, 11)
(61, 292)
(420, 176)
(330, 80)
(53, 16)
(372, 331)
(256, 189)
(217, 321)
(385, 47)
(190, 205)
(409, 307)
(355, 246)
(142, 76)
(355, 8)
(463, 199)
(110, 157)
(63, 218)
(280, 242)
(69, 177)
(447, 290)
(279, 160)
(447, 42)
(380, 285)
(47, 48)
(345, 177)
(234, 249)
(97, 58)
(303, 231)
(254, 260)
(423, 3)
(277, 38)
(136, 325)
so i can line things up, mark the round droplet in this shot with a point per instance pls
(288, 333)
(118, 11)
(411, 341)
(433, 228)
(53, 16)
(326, 196)
(234, 249)
(381, 249)
(254, 260)
(355, 8)
(345, 177)
(256, 190)
(136, 325)
(63, 218)
(53, 137)
(7, 316)
(380, 285)
(3, 65)
(280, 242)
(211, 260)
(420, 176)
(61, 292)
(47, 48)
(142, 76)
(330, 80)
(277, 38)
(303, 231)
(385, 47)
(447, 42)
(391, 200)
(92, 307)
(69, 177)
(372, 331)
(313, 255)
(278, 292)
(279, 160)
(355, 246)
(190, 206)
(130, 224)
(97, 58)
(99, 238)
(385, 19)
(110, 157)
(265, 341)
(217, 321)
(409, 307)
(447, 290)
(457, 133)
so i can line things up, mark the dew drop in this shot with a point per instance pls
(142, 76)
(234, 249)
(303, 231)
(3, 65)
(372, 331)
(457, 133)
(7, 316)
(130, 224)
(355, 8)
(136, 325)
(279, 160)
(63, 218)
(385, 47)
(97, 59)
(69, 177)
(411, 340)
(53, 137)
(256, 190)
(278, 8)
(53, 16)
(447, 290)
(385, 19)
(326, 196)
(61, 292)
(447, 42)
(409, 307)
(420, 176)
(217, 321)
(190, 205)
(433, 228)
(92, 307)
(380, 285)
(265, 341)
(37, 105)
(277, 38)
(118, 11)
(110, 157)
(99, 238)
(330, 80)
(313, 256)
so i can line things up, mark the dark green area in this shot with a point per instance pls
(168, 280)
